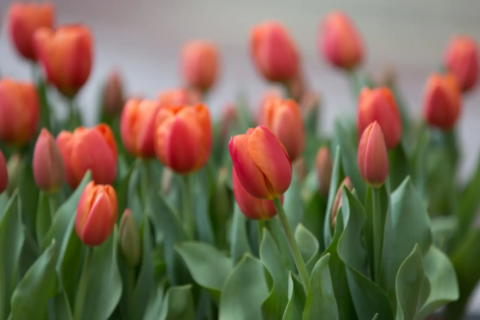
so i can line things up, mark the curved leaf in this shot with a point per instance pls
(308, 245)
(200, 193)
(296, 299)
(336, 180)
(293, 204)
(239, 242)
(178, 304)
(154, 306)
(43, 220)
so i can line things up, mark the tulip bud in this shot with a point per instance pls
(442, 104)
(130, 244)
(66, 56)
(337, 202)
(271, 93)
(96, 214)
(112, 95)
(261, 162)
(339, 41)
(372, 156)
(300, 168)
(199, 64)
(48, 169)
(23, 20)
(15, 169)
(461, 59)
(86, 149)
(379, 105)
(3, 173)
(273, 52)
(324, 165)
(183, 137)
(178, 97)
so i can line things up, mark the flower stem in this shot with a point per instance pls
(377, 234)
(52, 203)
(82, 289)
(187, 214)
(145, 185)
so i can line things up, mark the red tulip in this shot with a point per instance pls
(372, 156)
(461, 59)
(324, 165)
(3, 173)
(271, 93)
(48, 168)
(199, 64)
(112, 95)
(178, 97)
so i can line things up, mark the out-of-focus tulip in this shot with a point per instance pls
(461, 59)
(300, 168)
(442, 103)
(3, 173)
(324, 165)
(339, 41)
(273, 51)
(130, 244)
(66, 56)
(284, 119)
(23, 20)
(372, 156)
(15, 170)
(91, 149)
(137, 127)
(19, 111)
(183, 137)
(112, 95)
(178, 97)
(261, 162)
(199, 64)
(297, 86)
(48, 169)
(271, 93)
(337, 202)
(379, 105)
(96, 214)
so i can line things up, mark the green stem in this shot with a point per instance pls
(145, 185)
(131, 289)
(377, 233)
(74, 120)
(52, 203)
(187, 214)
(82, 289)
(292, 243)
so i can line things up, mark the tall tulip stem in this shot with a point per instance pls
(74, 120)
(187, 214)
(377, 233)
(52, 203)
(82, 289)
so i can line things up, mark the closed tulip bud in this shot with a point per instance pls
(178, 97)
(86, 149)
(199, 64)
(96, 214)
(284, 119)
(442, 103)
(461, 59)
(112, 95)
(3, 173)
(372, 156)
(379, 105)
(183, 137)
(273, 52)
(261, 162)
(137, 127)
(66, 56)
(324, 165)
(337, 202)
(19, 111)
(339, 41)
(130, 244)
(48, 169)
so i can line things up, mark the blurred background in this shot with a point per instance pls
(143, 38)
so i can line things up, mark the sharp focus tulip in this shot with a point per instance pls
(442, 104)
(23, 20)
(461, 59)
(199, 64)
(284, 119)
(261, 162)
(19, 111)
(48, 169)
(66, 56)
(178, 97)
(337, 202)
(339, 41)
(96, 214)
(183, 137)
(324, 165)
(372, 156)
(273, 52)
(86, 149)
(112, 95)
(3, 173)
(379, 105)
(137, 127)
(130, 244)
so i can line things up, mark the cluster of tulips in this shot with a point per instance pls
(368, 224)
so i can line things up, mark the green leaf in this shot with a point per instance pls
(122, 190)
(178, 304)
(308, 246)
(293, 204)
(154, 306)
(43, 217)
(277, 233)
(399, 166)
(336, 180)
(443, 230)
(314, 216)
(239, 243)
(29, 190)
(200, 192)
(296, 299)
(3, 203)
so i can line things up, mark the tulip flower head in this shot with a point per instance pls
(3, 173)
(324, 165)
(337, 202)
(130, 243)
(178, 97)
(48, 168)
(112, 95)
(199, 64)
(461, 59)
(372, 156)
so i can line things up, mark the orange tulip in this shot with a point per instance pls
(91, 149)
(261, 162)
(199, 64)
(273, 52)
(112, 95)
(461, 59)
(23, 20)
(442, 104)
(339, 41)
(337, 202)
(178, 97)
(3, 173)
(183, 137)
(19, 111)
(271, 93)
(372, 156)
(96, 214)
(48, 168)
(66, 56)
(137, 127)
(379, 105)
(324, 165)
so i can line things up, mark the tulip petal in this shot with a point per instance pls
(376, 158)
(84, 205)
(287, 124)
(65, 144)
(97, 226)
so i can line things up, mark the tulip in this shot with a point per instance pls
(379, 105)
(19, 111)
(442, 104)
(284, 119)
(339, 41)
(3, 173)
(199, 64)
(183, 137)
(261, 162)
(112, 95)
(324, 165)
(86, 149)
(96, 214)
(137, 127)
(461, 59)
(66, 56)
(48, 169)
(130, 244)
(372, 156)
(271, 93)
(337, 202)
(178, 97)
(273, 52)
(23, 20)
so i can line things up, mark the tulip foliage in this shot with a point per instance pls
(155, 214)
